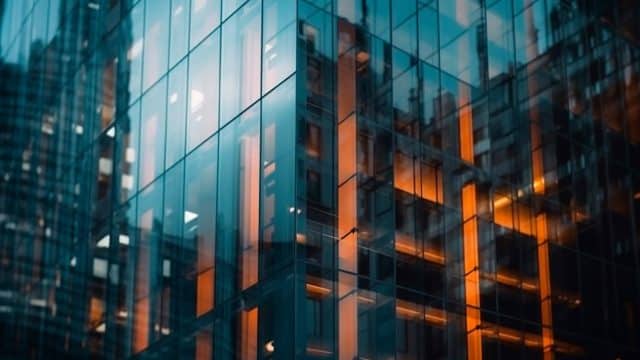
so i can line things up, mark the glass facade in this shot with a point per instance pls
(320, 179)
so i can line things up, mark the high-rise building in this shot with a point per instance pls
(320, 179)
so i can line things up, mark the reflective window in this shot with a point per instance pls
(200, 222)
(126, 231)
(456, 17)
(145, 249)
(406, 101)
(176, 113)
(202, 118)
(54, 21)
(241, 38)
(205, 16)
(152, 133)
(133, 50)
(128, 132)
(404, 36)
(431, 127)
(378, 16)
(279, 42)
(278, 137)
(459, 179)
(238, 205)
(179, 30)
(156, 41)
(173, 208)
(460, 53)
(530, 32)
(109, 86)
(168, 262)
(104, 179)
(229, 6)
(499, 38)
(428, 35)
(401, 10)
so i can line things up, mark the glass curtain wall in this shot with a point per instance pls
(466, 171)
(319, 179)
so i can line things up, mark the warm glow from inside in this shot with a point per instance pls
(418, 178)
(545, 286)
(404, 244)
(471, 271)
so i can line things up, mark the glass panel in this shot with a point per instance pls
(241, 37)
(229, 6)
(176, 113)
(238, 206)
(404, 36)
(278, 138)
(530, 33)
(54, 21)
(431, 126)
(109, 81)
(499, 38)
(203, 91)
(104, 181)
(168, 266)
(152, 133)
(126, 231)
(406, 102)
(133, 53)
(179, 30)
(156, 41)
(200, 223)
(205, 16)
(278, 58)
(402, 10)
(173, 212)
(146, 246)
(128, 133)
(461, 58)
(378, 17)
(428, 35)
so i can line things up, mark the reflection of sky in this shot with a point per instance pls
(499, 36)
(46, 15)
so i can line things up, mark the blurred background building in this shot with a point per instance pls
(319, 179)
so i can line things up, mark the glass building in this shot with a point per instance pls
(320, 179)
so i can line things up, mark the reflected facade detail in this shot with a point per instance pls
(320, 179)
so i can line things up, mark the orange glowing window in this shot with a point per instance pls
(348, 252)
(249, 334)
(317, 291)
(513, 215)
(205, 292)
(348, 327)
(347, 193)
(430, 183)
(466, 134)
(403, 175)
(545, 285)
(406, 244)
(472, 274)
(347, 207)
(347, 149)
(141, 325)
(415, 177)
(96, 309)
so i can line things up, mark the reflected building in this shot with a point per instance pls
(319, 179)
